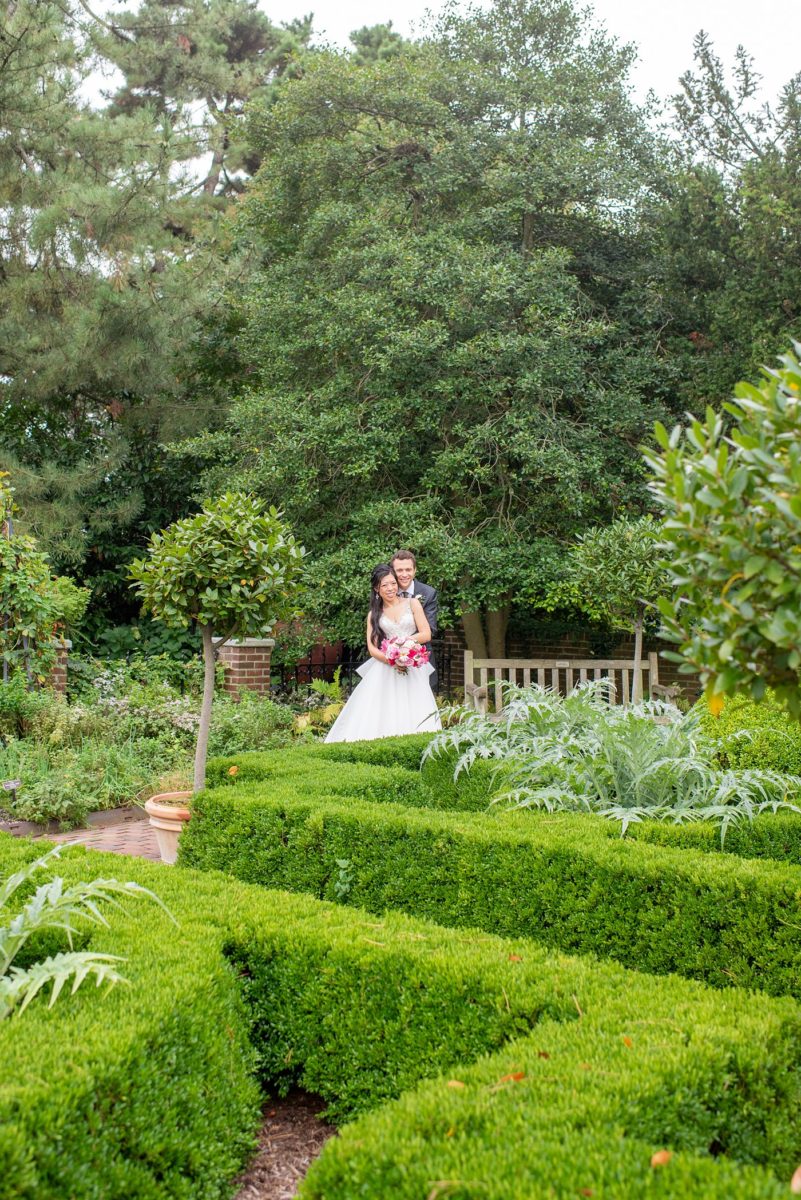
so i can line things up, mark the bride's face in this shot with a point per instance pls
(388, 589)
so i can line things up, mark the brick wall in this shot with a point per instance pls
(247, 665)
(58, 673)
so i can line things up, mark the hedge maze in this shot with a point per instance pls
(493, 1006)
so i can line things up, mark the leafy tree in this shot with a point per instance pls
(619, 570)
(33, 604)
(725, 229)
(731, 539)
(235, 568)
(435, 355)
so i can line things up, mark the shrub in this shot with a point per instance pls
(729, 487)
(249, 723)
(561, 879)
(63, 784)
(582, 753)
(18, 706)
(471, 792)
(54, 906)
(300, 770)
(750, 734)
(566, 1054)
(773, 835)
(146, 1092)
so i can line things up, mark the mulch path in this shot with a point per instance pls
(290, 1139)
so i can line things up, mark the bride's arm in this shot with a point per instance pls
(372, 648)
(423, 634)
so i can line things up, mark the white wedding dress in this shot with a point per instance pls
(386, 703)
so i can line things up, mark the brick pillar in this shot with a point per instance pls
(247, 665)
(58, 673)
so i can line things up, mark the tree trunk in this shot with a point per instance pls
(215, 170)
(474, 634)
(497, 622)
(636, 683)
(202, 747)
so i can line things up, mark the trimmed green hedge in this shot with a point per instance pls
(335, 769)
(146, 1092)
(774, 836)
(309, 768)
(773, 740)
(562, 880)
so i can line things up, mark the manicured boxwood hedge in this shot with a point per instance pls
(776, 836)
(753, 734)
(336, 769)
(562, 880)
(580, 1070)
(773, 835)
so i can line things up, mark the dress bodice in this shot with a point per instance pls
(406, 627)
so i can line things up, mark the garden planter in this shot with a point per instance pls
(168, 814)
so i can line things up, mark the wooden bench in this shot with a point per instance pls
(484, 677)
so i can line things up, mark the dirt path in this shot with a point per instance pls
(290, 1139)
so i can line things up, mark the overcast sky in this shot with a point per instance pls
(769, 29)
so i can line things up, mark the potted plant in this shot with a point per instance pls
(235, 569)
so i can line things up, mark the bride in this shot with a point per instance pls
(389, 701)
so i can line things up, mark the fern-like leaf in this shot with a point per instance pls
(19, 987)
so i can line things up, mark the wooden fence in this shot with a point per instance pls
(484, 677)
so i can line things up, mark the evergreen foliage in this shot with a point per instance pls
(732, 519)
(438, 347)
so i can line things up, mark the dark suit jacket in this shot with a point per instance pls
(428, 598)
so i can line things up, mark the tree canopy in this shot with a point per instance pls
(437, 352)
(428, 292)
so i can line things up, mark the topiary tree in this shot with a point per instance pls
(731, 490)
(234, 568)
(617, 571)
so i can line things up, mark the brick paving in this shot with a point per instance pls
(120, 831)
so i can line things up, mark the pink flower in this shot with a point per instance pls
(404, 653)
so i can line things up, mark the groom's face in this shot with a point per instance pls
(404, 569)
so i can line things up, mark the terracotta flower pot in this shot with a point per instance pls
(168, 814)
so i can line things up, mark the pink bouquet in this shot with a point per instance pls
(404, 653)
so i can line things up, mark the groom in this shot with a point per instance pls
(404, 564)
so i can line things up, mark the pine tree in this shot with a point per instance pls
(114, 256)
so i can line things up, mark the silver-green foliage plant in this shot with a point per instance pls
(55, 907)
(583, 753)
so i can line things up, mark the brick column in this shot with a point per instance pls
(58, 673)
(247, 665)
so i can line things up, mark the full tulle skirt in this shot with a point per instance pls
(387, 704)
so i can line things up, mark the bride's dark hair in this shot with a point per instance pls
(376, 603)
